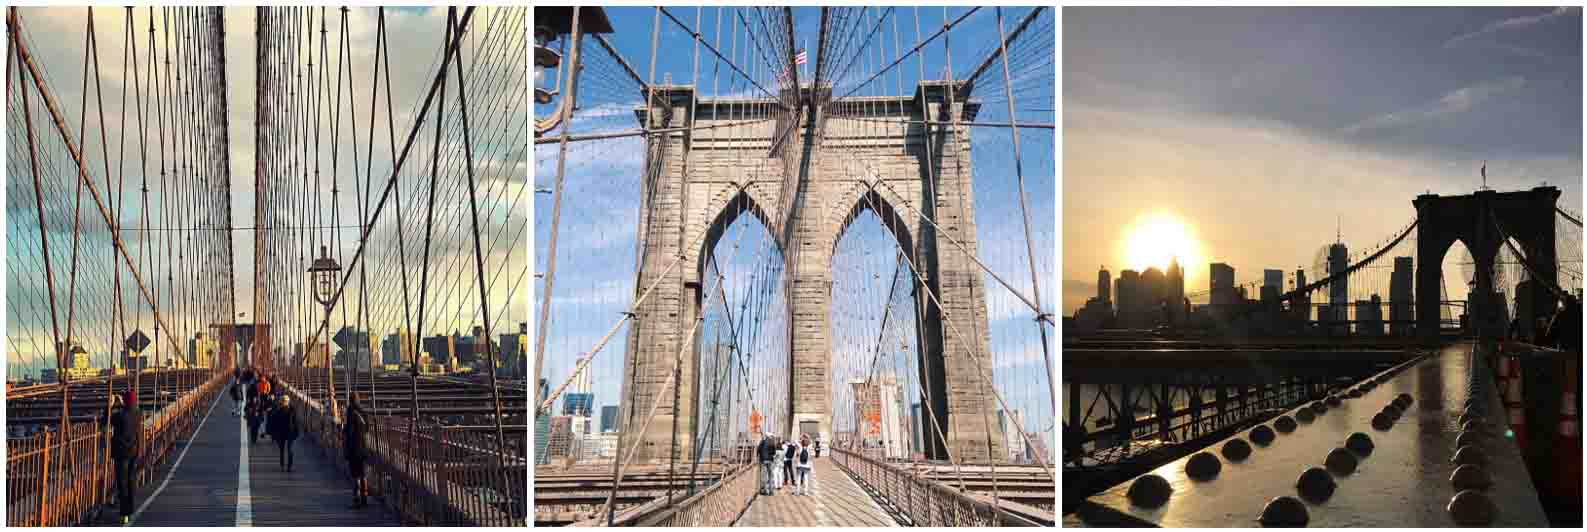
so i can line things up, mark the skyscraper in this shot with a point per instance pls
(581, 382)
(609, 418)
(1272, 285)
(1221, 283)
(577, 403)
(1104, 287)
(1339, 289)
(1401, 306)
(1126, 295)
(1154, 291)
(1176, 290)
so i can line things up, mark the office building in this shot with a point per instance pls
(1402, 306)
(609, 419)
(1221, 283)
(577, 403)
(1176, 291)
(1339, 289)
(879, 414)
(1105, 288)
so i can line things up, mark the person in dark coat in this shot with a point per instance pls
(256, 417)
(126, 426)
(764, 454)
(236, 398)
(353, 428)
(249, 391)
(283, 428)
(788, 448)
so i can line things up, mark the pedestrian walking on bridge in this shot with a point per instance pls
(283, 428)
(126, 427)
(236, 398)
(353, 428)
(256, 417)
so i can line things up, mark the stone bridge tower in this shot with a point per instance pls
(807, 179)
(1527, 216)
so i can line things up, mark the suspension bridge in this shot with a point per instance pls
(332, 198)
(817, 225)
(1419, 410)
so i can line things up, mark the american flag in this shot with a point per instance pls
(798, 60)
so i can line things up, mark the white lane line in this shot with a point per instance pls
(244, 485)
(174, 465)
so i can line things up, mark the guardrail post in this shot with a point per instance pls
(45, 483)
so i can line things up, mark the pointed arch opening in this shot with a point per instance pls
(742, 348)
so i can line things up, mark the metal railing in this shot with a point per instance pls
(450, 477)
(55, 478)
(928, 503)
(719, 505)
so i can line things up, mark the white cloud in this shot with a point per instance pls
(1513, 23)
(1456, 101)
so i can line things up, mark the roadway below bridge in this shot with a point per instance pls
(1403, 481)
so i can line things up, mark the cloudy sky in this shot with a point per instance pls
(494, 62)
(1263, 128)
(595, 254)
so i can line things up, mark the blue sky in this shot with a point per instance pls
(595, 254)
(1263, 126)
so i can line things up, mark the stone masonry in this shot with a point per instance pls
(843, 158)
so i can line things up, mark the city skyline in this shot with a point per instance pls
(1260, 164)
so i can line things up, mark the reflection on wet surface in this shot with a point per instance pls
(1403, 482)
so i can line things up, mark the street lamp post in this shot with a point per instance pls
(324, 271)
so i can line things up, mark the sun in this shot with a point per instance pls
(1158, 238)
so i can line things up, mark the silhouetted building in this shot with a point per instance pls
(1339, 289)
(1222, 284)
(1175, 294)
(1105, 288)
(1272, 285)
(1154, 288)
(1126, 297)
(1402, 306)
(1369, 317)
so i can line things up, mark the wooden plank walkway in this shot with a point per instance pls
(201, 485)
(834, 500)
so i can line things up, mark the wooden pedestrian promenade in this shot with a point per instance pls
(216, 479)
(834, 501)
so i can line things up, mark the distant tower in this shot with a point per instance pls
(581, 383)
(1339, 290)
(1105, 288)
(1401, 306)
(1176, 288)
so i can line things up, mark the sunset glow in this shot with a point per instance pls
(1155, 239)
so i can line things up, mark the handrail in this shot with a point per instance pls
(451, 478)
(56, 480)
(721, 504)
(928, 503)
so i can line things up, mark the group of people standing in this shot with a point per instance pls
(786, 462)
(260, 396)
